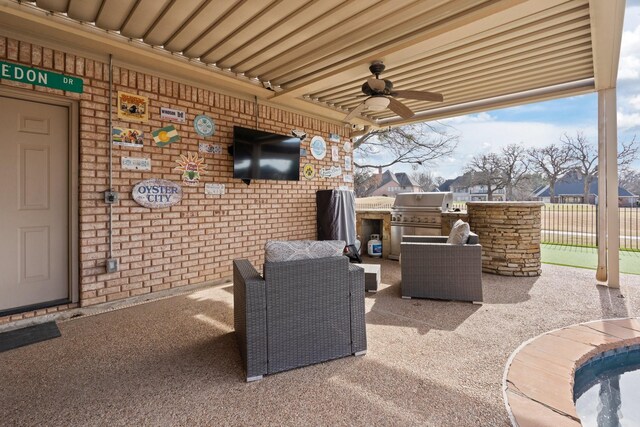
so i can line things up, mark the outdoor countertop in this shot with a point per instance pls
(514, 204)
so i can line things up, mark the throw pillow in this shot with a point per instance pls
(291, 250)
(459, 233)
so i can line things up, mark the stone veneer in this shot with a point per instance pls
(509, 233)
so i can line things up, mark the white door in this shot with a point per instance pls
(34, 203)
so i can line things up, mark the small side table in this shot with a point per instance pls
(371, 276)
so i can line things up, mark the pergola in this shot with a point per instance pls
(312, 56)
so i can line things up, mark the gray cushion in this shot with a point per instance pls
(291, 250)
(459, 233)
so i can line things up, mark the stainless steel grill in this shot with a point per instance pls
(417, 214)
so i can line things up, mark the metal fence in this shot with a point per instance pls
(577, 225)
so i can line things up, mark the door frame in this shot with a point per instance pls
(72, 106)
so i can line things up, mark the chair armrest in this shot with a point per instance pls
(425, 239)
(250, 317)
(358, 324)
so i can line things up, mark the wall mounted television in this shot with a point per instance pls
(265, 155)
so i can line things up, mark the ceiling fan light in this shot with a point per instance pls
(377, 103)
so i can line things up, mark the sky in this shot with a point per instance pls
(542, 123)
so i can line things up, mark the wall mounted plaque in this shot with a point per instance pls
(133, 107)
(204, 125)
(173, 114)
(135, 163)
(156, 193)
(308, 171)
(213, 189)
(332, 172)
(318, 147)
(334, 137)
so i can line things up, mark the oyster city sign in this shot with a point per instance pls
(157, 193)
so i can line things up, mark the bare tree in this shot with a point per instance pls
(627, 155)
(364, 182)
(514, 166)
(552, 162)
(427, 180)
(486, 171)
(585, 155)
(414, 144)
(630, 180)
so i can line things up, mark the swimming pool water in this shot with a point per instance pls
(607, 389)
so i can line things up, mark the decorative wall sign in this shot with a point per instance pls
(173, 115)
(347, 163)
(213, 189)
(335, 153)
(347, 147)
(165, 136)
(127, 137)
(332, 172)
(203, 147)
(299, 134)
(191, 167)
(308, 171)
(135, 163)
(318, 147)
(347, 178)
(303, 152)
(334, 137)
(133, 107)
(204, 125)
(157, 193)
(34, 76)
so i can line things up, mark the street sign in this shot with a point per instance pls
(35, 76)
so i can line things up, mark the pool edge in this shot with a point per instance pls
(534, 399)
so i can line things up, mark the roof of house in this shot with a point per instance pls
(405, 180)
(446, 185)
(571, 184)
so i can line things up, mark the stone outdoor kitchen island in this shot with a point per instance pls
(509, 233)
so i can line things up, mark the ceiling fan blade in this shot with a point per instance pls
(400, 109)
(377, 85)
(353, 112)
(419, 95)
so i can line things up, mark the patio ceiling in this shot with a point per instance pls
(479, 54)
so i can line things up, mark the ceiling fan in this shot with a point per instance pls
(381, 95)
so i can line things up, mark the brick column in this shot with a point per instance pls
(509, 233)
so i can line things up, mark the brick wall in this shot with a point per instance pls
(195, 241)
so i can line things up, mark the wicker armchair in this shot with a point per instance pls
(431, 268)
(301, 313)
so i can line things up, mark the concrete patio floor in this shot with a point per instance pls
(175, 361)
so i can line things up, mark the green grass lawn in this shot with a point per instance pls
(576, 256)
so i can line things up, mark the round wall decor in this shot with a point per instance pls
(204, 125)
(309, 171)
(318, 147)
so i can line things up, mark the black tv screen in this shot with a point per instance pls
(265, 155)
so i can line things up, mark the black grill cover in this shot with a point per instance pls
(336, 215)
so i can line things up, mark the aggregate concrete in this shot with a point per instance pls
(175, 361)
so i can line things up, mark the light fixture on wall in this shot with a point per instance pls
(377, 103)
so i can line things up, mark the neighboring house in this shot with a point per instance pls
(390, 184)
(569, 189)
(464, 191)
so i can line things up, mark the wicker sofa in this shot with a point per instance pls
(300, 313)
(431, 268)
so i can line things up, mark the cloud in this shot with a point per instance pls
(628, 121)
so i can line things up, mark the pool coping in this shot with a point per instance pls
(537, 384)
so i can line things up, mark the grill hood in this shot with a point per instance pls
(442, 200)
